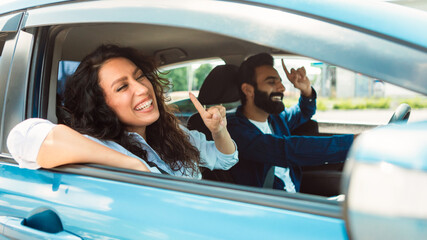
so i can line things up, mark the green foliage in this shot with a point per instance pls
(321, 106)
(415, 103)
(178, 78)
(382, 103)
(324, 104)
(200, 75)
(362, 103)
(289, 102)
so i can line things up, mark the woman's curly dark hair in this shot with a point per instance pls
(85, 110)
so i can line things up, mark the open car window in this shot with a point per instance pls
(71, 38)
(353, 65)
(349, 97)
(340, 91)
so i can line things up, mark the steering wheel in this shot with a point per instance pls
(401, 114)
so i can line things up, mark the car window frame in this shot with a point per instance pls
(303, 203)
(283, 34)
(58, 17)
(9, 31)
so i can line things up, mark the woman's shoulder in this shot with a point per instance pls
(194, 135)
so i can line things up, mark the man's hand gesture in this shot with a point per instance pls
(299, 79)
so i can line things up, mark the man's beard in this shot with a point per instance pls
(265, 102)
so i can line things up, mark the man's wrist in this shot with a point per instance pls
(308, 93)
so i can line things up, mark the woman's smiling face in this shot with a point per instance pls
(129, 93)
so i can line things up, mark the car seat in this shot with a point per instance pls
(219, 87)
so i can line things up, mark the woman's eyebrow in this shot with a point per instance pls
(137, 69)
(118, 80)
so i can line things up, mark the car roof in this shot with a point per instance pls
(7, 6)
(395, 21)
(372, 20)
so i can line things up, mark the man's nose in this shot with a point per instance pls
(280, 87)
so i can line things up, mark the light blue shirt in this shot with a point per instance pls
(25, 139)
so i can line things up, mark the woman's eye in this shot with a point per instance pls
(121, 87)
(141, 77)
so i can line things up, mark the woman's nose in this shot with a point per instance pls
(139, 88)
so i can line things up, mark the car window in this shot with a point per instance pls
(188, 77)
(349, 97)
(74, 40)
(185, 78)
(65, 69)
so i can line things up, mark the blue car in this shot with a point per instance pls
(381, 188)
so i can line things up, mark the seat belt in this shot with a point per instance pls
(269, 178)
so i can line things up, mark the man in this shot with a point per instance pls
(261, 128)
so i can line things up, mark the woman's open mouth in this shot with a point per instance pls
(144, 105)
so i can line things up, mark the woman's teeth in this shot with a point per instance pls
(144, 105)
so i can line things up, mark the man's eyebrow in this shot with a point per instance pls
(271, 78)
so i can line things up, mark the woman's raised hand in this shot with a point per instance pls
(213, 117)
(215, 120)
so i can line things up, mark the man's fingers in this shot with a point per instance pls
(293, 71)
(197, 104)
(293, 75)
(285, 69)
(301, 71)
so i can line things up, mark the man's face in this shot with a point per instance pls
(268, 94)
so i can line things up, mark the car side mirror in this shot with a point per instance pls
(385, 182)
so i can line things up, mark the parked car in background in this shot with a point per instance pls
(383, 179)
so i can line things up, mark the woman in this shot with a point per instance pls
(116, 99)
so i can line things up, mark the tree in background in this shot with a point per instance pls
(200, 75)
(178, 78)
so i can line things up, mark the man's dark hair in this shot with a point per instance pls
(247, 71)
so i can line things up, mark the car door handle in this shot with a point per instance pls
(12, 227)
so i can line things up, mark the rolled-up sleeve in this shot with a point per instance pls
(210, 156)
(25, 140)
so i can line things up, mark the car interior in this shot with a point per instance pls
(170, 46)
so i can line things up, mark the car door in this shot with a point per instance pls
(94, 202)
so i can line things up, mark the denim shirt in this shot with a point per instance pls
(258, 152)
(25, 139)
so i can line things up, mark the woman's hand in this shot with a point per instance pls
(216, 121)
(214, 117)
(299, 79)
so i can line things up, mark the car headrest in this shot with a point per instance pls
(220, 86)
